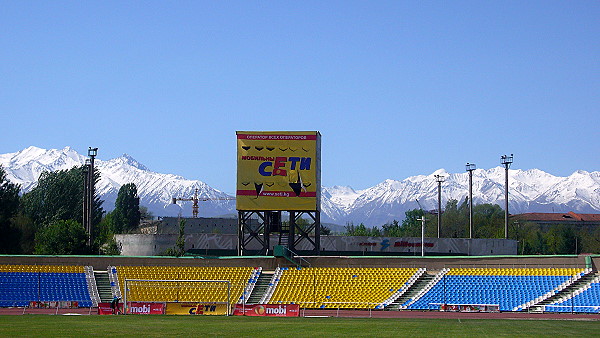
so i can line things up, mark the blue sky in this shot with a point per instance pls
(396, 88)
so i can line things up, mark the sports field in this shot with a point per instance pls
(219, 326)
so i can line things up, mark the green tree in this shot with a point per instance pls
(126, 216)
(9, 206)
(26, 231)
(105, 240)
(58, 196)
(455, 220)
(560, 239)
(411, 226)
(488, 221)
(533, 240)
(589, 240)
(64, 237)
(361, 230)
(145, 213)
(393, 229)
(179, 249)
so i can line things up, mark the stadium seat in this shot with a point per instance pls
(506, 287)
(22, 284)
(329, 287)
(177, 291)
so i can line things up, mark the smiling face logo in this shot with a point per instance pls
(259, 310)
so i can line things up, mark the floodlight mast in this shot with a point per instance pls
(439, 179)
(470, 167)
(506, 161)
(422, 219)
(88, 194)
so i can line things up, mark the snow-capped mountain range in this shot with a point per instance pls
(530, 190)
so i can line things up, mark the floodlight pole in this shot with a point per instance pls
(470, 167)
(422, 219)
(89, 194)
(506, 162)
(85, 206)
(439, 179)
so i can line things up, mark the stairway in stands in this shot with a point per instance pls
(103, 285)
(261, 286)
(567, 292)
(412, 291)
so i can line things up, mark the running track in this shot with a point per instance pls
(360, 314)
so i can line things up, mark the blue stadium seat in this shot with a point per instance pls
(20, 288)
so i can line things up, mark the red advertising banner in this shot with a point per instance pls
(105, 309)
(135, 308)
(145, 308)
(269, 310)
(55, 304)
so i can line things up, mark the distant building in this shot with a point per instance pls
(201, 225)
(548, 219)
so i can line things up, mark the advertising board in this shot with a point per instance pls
(278, 170)
(470, 307)
(145, 308)
(267, 310)
(196, 309)
(54, 304)
(105, 309)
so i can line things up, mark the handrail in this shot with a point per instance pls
(295, 255)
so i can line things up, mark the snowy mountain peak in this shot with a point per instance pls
(530, 190)
(441, 172)
(126, 159)
(155, 190)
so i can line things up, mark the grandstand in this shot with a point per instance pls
(239, 277)
(585, 299)
(515, 283)
(338, 287)
(22, 285)
(511, 289)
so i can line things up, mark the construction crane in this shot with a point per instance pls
(432, 212)
(195, 200)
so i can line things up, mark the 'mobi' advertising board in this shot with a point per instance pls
(196, 309)
(105, 309)
(143, 308)
(267, 310)
(134, 308)
(278, 170)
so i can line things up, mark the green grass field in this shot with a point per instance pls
(212, 326)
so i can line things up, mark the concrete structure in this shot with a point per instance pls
(226, 244)
(270, 263)
(200, 225)
(547, 219)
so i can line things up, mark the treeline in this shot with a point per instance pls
(48, 219)
(488, 222)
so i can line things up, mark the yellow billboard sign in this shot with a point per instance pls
(188, 308)
(278, 170)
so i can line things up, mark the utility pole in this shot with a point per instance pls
(470, 167)
(439, 179)
(506, 162)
